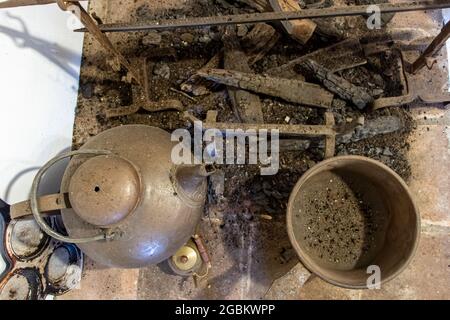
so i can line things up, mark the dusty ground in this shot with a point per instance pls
(244, 229)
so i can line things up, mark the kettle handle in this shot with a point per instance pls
(35, 206)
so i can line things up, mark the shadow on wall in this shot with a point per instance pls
(50, 182)
(51, 51)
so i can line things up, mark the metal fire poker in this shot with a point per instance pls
(273, 16)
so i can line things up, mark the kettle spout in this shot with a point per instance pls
(190, 182)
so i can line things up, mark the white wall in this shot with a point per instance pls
(39, 69)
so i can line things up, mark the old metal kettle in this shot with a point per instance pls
(122, 199)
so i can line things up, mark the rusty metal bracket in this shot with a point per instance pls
(328, 129)
(150, 106)
(143, 101)
(47, 204)
(412, 90)
(434, 47)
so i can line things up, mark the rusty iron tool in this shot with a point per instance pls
(150, 106)
(92, 26)
(328, 130)
(412, 90)
(142, 101)
(434, 47)
(285, 129)
(271, 16)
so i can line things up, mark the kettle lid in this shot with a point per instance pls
(104, 190)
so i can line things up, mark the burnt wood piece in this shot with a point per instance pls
(259, 41)
(246, 106)
(260, 5)
(359, 96)
(300, 30)
(340, 56)
(370, 128)
(290, 90)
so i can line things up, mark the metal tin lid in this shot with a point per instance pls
(185, 258)
(17, 288)
(104, 190)
(23, 284)
(27, 239)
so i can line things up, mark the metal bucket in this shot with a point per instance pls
(349, 213)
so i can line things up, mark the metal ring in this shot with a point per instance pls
(35, 207)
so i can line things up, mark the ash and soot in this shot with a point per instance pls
(341, 220)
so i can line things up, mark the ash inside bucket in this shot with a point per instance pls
(341, 220)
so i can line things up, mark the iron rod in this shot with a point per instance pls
(272, 16)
